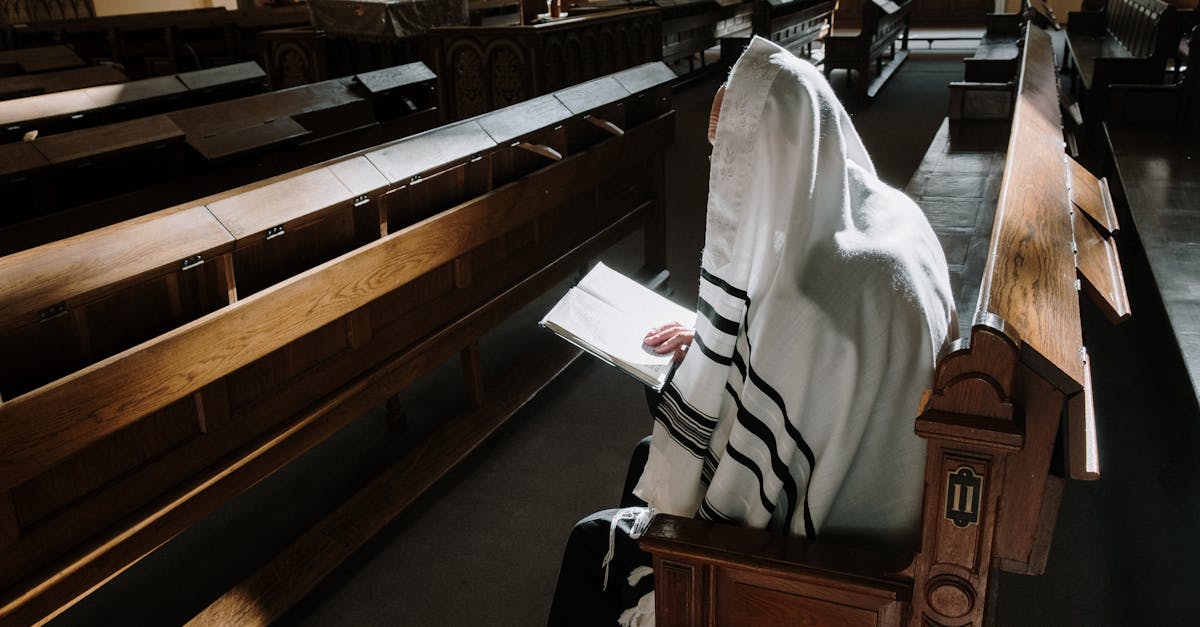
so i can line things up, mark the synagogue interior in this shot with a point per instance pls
(276, 276)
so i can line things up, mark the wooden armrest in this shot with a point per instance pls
(730, 544)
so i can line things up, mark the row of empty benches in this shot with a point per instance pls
(152, 44)
(67, 183)
(157, 367)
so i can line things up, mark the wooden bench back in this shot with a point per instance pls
(194, 350)
(1136, 24)
(793, 22)
(884, 21)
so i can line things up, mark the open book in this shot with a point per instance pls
(608, 315)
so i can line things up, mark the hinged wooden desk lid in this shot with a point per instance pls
(431, 151)
(510, 123)
(63, 80)
(87, 267)
(645, 76)
(260, 135)
(591, 95)
(145, 89)
(290, 201)
(246, 72)
(388, 79)
(25, 111)
(20, 159)
(1092, 196)
(110, 139)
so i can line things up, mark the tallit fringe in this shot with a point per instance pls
(641, 615)
(641, 519)
(638, 573)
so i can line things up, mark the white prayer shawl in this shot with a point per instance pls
(824, 300)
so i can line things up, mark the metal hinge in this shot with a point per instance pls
(52, 312)
(192, 262)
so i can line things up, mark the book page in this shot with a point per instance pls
(634, 299)
(602, 326)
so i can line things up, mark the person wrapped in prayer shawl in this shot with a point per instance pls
(824, 300)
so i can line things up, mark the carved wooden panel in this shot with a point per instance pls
(34, 11)
(483, 69)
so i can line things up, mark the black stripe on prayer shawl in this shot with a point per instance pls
(756, 426)
(689, 428)
(709, 468)
(727, 288)
(719, 322)
(810, 529)
(708, 352)
(737, 456)
(710, 513)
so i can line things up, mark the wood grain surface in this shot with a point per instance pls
(1029, 279)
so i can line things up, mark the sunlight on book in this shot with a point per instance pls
(608, 315)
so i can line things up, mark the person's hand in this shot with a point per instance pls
(715, 113)
(673, 337)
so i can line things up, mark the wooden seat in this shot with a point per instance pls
(871, 54)
(198, 349)
(991, 420)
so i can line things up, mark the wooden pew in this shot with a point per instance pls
(793, 24)
(85, 107)
(63, 80)
(691, 27)
(1151, 136)
(157, 43)
(1128, 41)
(42, 59)
(105, 174)
(991, 419)
(883, 24)
(176, 359)
(997, 56)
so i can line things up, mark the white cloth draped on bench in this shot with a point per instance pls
(824, 300)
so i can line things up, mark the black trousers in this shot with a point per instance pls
(581, 599)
